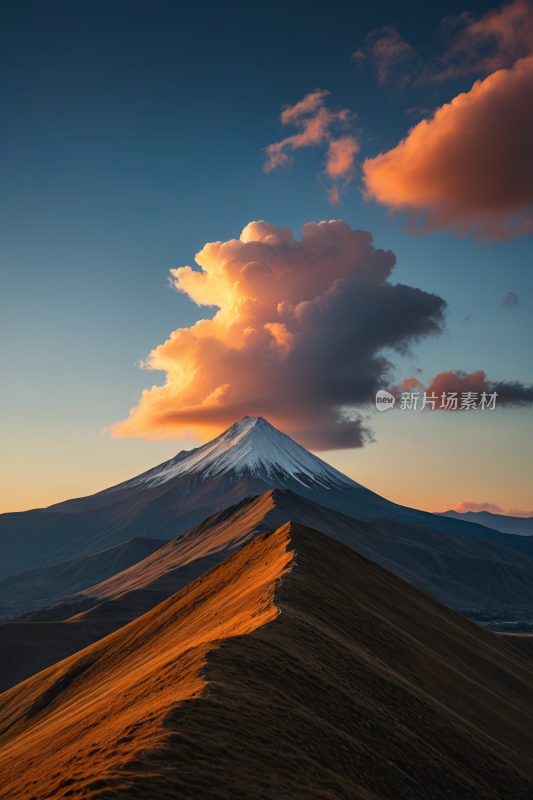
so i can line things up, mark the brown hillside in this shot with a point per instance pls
(362, 687)
(459, 571)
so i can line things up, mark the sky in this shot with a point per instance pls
(137, 135)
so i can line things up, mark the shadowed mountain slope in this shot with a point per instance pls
(248, 459)
(361, 687)
(27, 648)
(44, 586)
(521, 526)
(467, 573)
(460, 571)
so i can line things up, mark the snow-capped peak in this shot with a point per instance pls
(252, 445)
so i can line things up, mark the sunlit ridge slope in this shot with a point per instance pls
(361, 686)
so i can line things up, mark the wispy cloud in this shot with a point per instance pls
(470, 47)
(388, 53)
(317, 124)
(481, 46)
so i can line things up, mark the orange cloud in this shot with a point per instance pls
(468, 505)
(297, 338)
(315, 130)
(340, 157)
(310, 103)
(469, 167)
(411, 384)
(509, 393)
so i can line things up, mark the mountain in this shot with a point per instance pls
(462, 572)
(248, 459)
(45, 586)
(295, 668)
(521, 526)
(27, 648)
(480, 578)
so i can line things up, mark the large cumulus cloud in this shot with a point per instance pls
(299, 336)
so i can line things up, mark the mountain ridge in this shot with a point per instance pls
(461, 572)
(79, 527)
(295, 667)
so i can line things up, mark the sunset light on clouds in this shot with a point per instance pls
(266, 343)
(297, 338)
(509, 393)
(266, 285)
(468, 168)
(494, 41)
(469, 505)
(316, 123)
(358, 189)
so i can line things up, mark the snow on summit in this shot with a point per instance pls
(252, 445)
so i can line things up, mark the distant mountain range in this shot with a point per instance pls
(250, 458)
(461, 571)
(45, 586)
(521, 526)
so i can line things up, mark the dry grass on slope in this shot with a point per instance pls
(362, 687)
(83, 723)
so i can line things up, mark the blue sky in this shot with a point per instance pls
(133, 133)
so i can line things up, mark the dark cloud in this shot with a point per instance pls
(481, 46)
(388, 53)
(470, 47)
